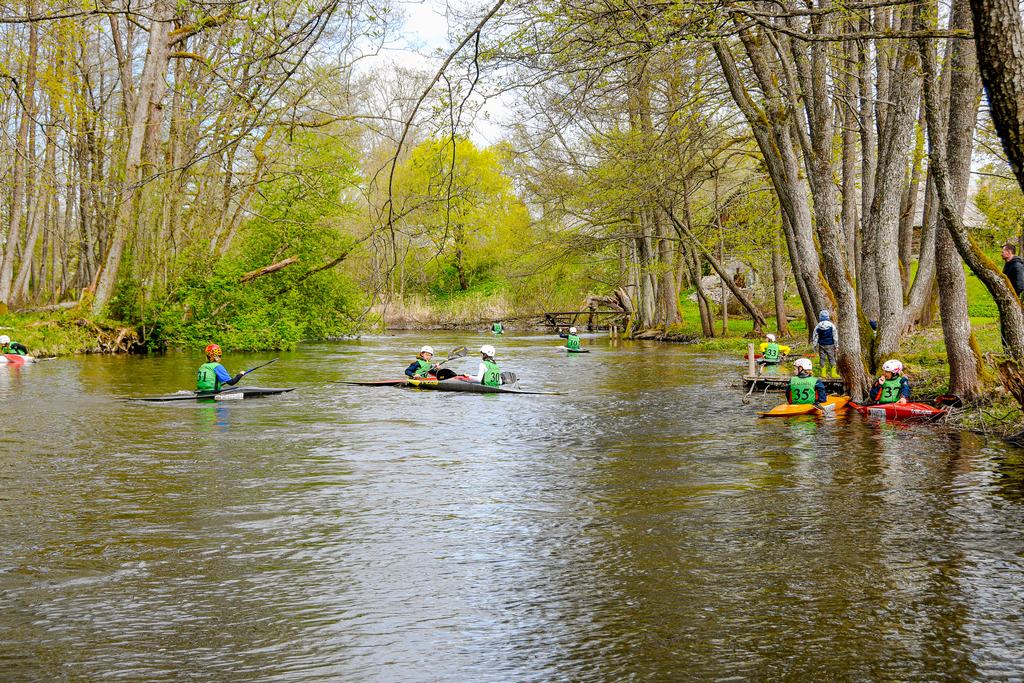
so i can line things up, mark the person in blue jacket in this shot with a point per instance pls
(824, 339)
(212, 375)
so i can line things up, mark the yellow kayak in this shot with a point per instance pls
(832, 404)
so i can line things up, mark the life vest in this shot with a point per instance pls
(892, 390)
(206, 378)
(423, 368)
(492, 374)
(573, 341)
(802, 390)
(496, 328)
(771, 353)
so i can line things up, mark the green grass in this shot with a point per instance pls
(49, 334)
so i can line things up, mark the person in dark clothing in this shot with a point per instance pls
(1013, 269)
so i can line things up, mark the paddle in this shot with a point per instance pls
(459, 352)
(261, 365)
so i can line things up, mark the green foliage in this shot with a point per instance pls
(297, 215)
(1002, 202)
(462, 220)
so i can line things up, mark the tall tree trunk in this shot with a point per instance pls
(965, 91)
(884, 219)
(149, 101)
(908, 207)
(21, 153)
(779, 287)
(999, 35)
(1011, 316)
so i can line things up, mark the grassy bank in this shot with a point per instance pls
(65, 333)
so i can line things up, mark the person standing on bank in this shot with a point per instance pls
(1013, 268)
(824, 340)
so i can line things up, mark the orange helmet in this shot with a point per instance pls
(213, 351)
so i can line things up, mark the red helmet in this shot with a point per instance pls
(212, 350)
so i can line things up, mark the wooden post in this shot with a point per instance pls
(751, 363)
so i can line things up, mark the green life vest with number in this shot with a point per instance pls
(802, 390)
(423, 369)
(206, 378)
(892, 390)
(771, 353)
(572, 341)
(492, 374)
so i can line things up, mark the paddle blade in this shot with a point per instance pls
(509, 378)
(459, 352)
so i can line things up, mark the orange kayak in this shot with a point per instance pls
(832, 404)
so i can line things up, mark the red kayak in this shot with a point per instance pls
(900, 411)
(15, 359)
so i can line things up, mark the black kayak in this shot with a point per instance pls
(472, 387)
(222, 395)
(568, 350)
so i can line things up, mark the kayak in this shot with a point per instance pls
(568, 350)
(900, 411)
(15, 359)
(459, 384)
(384, 382)
(837, 403)
(222, 395)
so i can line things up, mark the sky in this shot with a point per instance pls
(423, 43)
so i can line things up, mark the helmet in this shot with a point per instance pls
(823, 315)
(212, 350)
(427, 349)
(771, 337)
(803, 364)
(487, 350)
(4, 339)
(572, 330)
(893, 366)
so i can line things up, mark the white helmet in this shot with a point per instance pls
(572, 330)
(804, 363)
(770, 336)
(893, 366)
(427, 349)
(4, 339)
(487, 350)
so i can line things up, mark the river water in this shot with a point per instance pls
(647, 525)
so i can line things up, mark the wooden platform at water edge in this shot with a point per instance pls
(833, 385)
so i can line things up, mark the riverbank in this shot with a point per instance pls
(71, 332)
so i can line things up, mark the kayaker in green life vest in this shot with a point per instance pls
(804, 388)
(892, 386)
(423, 366)
(572, 340)
(8, 346)
(771, 351)
(212, 375)
(496, 327)
(488, 373)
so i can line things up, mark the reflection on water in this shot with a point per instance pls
(646, 525)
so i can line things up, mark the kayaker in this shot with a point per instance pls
(8, 346)
(824, 339)
(422, 366)
(212, 375)
(488, 373)
(772, 351)
(892, 386)
(572, 340)
(804, 388)
(496, 327)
